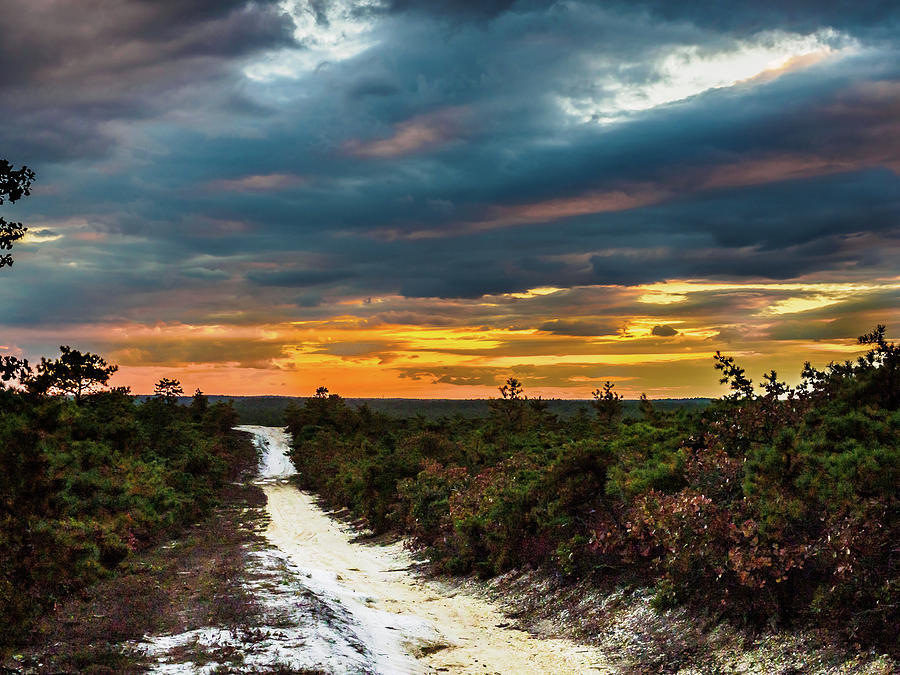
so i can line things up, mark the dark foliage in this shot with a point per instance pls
(14, 184)
(90, 476)
(73, 374)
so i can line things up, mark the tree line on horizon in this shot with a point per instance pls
(270, 410)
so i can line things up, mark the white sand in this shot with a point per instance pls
(399, 615)
(298, 630)
(273, 443)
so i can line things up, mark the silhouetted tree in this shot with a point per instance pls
(539, 411)
(773, 388)
(168, 390)
(608, 404)
(199, 405)
(74, 374)
(12, 368)
(509, 409)
(14, 184)
(512, 390)
(321, 411)
(885, 357)
(648, 412)
(735, 377)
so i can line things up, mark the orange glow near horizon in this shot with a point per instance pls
(414, 203)
(657, 339)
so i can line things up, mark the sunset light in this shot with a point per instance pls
(395, 200)
(533, 337)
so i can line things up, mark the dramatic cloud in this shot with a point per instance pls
(663, 331)
(74, 70)
(580, 328)
(394, 196)
(418, 134)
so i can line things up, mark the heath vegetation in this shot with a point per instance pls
(90, 477)
(774, 506)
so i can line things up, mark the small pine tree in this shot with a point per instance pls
(168, 390)
(648, 412)
(735, 377)
(608, 404)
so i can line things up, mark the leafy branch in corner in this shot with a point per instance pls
(14, 184)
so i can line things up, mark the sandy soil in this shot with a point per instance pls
(402, 614)
(467, 634)
(273, 445)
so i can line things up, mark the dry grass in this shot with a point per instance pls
(175, 587)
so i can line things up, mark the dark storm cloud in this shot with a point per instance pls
(641, 267)
(70, 68)
(454, 9)
(580, 328)
(48, 40)
(798, 15)
(297, 278)
(445, 193)
(439, 161)
(664, 331)
(372, 87)
(807, 329)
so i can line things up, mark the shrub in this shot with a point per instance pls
(85, 484)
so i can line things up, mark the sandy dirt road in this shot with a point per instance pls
(416, 625)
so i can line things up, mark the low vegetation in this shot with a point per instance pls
(269, 410)
(91, 477)
(189, 583)
(772, 507)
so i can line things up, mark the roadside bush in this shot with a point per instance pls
(427, 502)
(84, 484)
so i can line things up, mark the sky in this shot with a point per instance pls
(422, 198)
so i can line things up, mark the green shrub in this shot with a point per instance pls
(85, 484)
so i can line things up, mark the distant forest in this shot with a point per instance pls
(269, 410)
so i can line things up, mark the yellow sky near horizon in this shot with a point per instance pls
(657, 339)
